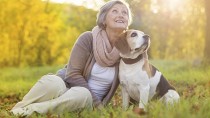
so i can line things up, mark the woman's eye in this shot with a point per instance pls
(124, 13)
(114, 11)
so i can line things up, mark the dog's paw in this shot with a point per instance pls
(139, 111)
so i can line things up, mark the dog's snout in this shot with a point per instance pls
(146, 36)
(134, 34)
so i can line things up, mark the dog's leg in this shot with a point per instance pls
(144, 95)
(125, 98)
(170, 97)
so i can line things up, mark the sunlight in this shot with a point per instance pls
(171, 5)
(154, 6)
(91, 4)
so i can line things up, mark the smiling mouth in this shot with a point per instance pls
(119, 21)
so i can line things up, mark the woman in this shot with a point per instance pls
(91, 76)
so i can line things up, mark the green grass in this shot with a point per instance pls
(15, 80)
(192, 83)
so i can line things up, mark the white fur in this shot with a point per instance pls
(135, 82)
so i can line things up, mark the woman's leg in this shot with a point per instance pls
(75, 98)
(47, 88)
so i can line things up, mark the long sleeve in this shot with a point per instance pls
(79, 58)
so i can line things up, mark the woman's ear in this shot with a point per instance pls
(121, 44)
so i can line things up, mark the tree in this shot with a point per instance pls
(38, 33)
(207, 39)
(175, 27)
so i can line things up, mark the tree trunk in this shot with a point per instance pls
(206, 59)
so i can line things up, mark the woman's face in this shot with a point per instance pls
(117, 17)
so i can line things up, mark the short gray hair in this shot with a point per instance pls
(101, 16)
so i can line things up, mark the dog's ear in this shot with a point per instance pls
(145, 55)
(147, 66)
(121, 44)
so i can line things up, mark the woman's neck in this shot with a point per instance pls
(113, 35)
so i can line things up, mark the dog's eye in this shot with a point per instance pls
(133, 34)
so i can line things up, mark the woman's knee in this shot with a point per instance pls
(52, 84)
(81, 93)
(80, 96)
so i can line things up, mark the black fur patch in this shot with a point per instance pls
(163, 87)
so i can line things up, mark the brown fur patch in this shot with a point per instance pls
(139, 111)
(148, 67)
(121, 44)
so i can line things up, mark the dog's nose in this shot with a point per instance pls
(146, 36)
(134, 34)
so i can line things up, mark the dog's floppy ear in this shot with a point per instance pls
(147, 66)
(122, 45)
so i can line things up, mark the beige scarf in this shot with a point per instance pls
(103, 52)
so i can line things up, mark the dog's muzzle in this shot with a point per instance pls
(146, 37)
(145, 44)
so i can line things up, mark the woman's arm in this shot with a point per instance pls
(79, 56)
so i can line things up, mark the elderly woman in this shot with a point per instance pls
(90, 78)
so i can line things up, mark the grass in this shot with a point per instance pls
(192, 83)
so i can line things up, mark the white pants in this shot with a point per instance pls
(50, 94)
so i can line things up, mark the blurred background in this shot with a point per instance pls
(40, 33)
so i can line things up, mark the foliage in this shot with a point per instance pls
(40, 33)
(191, 82)
(176, 27)
(206, 59)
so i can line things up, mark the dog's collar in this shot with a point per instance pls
(132, 61)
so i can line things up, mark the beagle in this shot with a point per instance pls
(140, 80)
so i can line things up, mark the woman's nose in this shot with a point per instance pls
(120, 14)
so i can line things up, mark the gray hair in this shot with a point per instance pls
(101, 16)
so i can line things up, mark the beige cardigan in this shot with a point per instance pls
(80, 65)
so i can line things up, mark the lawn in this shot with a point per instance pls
(191, 82)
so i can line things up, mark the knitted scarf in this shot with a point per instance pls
(103, 52)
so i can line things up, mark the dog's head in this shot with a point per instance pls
(132, 43)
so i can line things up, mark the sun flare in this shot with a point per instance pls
(171, 5)
(92, 4)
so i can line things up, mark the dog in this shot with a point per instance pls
(139, 80)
